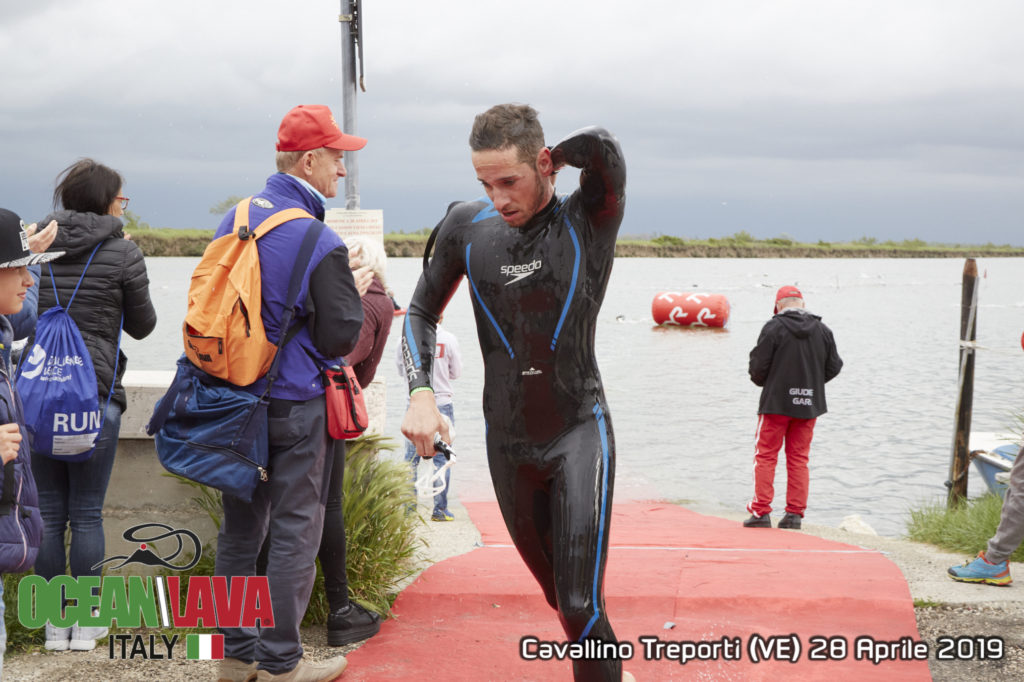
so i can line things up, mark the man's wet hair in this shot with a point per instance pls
(508, 125)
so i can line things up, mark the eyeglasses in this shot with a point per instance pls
(124, 202)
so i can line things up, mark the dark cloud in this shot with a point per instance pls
(820, 120)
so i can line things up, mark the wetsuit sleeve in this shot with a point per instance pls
(833, 363)
(598, 155)
(336, 313)
(761, 356)
(438, 282)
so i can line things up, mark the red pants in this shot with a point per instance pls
(772, 429)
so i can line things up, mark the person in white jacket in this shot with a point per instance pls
(447, 367)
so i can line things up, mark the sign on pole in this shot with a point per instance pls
(349, 223)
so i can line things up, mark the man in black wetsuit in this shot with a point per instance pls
(537, 266)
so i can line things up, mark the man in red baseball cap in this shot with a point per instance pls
(311, 146)
(288, 508)
(785, 293)
(794, 357)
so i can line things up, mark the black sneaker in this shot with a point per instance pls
(756, 521)
(351, 624)
(790, 520)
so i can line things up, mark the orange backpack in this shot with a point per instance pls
(223, 329)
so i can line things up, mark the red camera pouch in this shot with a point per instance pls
(346, 408)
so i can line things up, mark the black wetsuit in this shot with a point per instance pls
(536, 294)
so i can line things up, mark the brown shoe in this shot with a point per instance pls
(234, 670)
(307, 672)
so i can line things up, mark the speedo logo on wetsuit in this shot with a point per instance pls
(518, 272)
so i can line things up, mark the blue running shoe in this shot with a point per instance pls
(442, 516)
(981, 571)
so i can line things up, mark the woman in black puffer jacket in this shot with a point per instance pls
(115, 283)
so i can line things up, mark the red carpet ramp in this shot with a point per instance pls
(690, 586)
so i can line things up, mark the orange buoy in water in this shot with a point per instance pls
(690, 309)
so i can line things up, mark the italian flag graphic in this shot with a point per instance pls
(204, 647)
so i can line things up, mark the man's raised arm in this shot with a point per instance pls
(598, 155)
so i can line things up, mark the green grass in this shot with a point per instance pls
(19, 638)
(965, 529)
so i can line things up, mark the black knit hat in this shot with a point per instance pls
(14, 250)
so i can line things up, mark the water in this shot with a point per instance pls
(683, 407)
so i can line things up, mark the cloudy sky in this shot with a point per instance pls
(817, 119)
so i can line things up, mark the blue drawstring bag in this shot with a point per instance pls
(57, 385)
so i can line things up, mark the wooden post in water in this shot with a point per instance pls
(960, 461)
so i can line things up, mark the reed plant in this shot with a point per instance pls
(965, 528)
(380, 534)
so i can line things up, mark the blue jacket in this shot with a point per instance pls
(328, 305)
(21, 525)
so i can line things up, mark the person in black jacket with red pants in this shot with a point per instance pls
(794, 358)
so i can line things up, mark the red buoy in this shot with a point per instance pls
(690, 309)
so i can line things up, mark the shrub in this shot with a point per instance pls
(381, 539)
(965, 528)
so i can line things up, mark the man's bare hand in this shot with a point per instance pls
(10, 441)
(363, 276)
(39, 240)
(422, 421)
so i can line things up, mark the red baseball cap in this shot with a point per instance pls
(312, 126)
(786, 292)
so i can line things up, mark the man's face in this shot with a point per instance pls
(517, 189)
(326, 166)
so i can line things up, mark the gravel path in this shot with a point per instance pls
(946, 609)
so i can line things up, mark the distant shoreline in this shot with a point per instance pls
(413, 245)
(169, 242)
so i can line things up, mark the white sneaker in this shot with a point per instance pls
(84, 639)
(57, 639)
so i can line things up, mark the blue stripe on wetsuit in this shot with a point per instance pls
(603, 429)
(413, 350)
(487, 211)
(572, 285)
(469, 276)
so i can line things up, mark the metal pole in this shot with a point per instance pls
(965, 396)
(348, 92)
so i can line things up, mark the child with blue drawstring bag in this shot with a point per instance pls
(21, 526)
